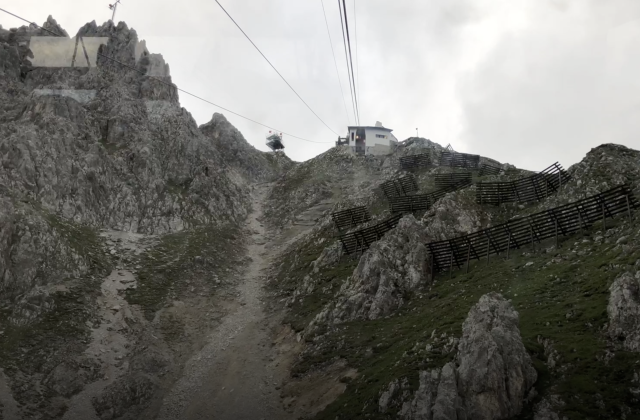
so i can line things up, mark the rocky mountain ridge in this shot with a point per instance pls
(110, 193)
(380, 311)
(145, 261)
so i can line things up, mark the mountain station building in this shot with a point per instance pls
(368, 140)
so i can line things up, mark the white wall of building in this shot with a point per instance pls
(378, 140)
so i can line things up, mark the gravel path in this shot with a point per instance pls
(235, 375)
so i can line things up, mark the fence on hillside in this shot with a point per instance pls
(517, 233)
(422, 160)
(459, 160)
(532, 188)
(352, 217)
(452, 179)
(400, 187)
(361, 240)
(486, 169)
(411, 203)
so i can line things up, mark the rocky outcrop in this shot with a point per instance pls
(337, 174)
(624, 311)
(392, 267)
(253, 164)
(107, 162)
(83, 148)
(544, 410)
(603, 168)
(33, 244)
(495, 371)
(455, 214)
(492, 373)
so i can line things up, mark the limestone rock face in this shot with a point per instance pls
(455, 214)
(495, 370)
(253, 164)
(31, 243)
(624, 311)
(392, 266)
(493, 374)
(109, 161)
(334, 173)
(105, 146)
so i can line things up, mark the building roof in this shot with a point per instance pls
(369, 126)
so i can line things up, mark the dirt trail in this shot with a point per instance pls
(238, 373)
(109, 340)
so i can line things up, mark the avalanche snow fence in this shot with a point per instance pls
(360, 240)
(411, 203)
(452, 179)
(486, 169)
(459, 160)
(517, 233)
(532, 188)
(422, 160)
(399, 187)
(352, 217)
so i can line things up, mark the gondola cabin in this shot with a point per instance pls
(274, 141)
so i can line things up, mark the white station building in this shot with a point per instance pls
(368, 140)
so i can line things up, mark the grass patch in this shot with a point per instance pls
(167, 266)
(564, 301)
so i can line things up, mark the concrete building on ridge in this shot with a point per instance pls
(369, 140)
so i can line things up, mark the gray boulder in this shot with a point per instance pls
(493, 374)
(495, 371)
(624, 311)
(455, 214)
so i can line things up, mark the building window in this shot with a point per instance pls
(381, 136)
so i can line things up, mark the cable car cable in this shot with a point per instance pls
(273, 67)
(346, 25)
(346, 58)
(333, 54)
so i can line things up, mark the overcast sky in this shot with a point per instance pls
(528, 82)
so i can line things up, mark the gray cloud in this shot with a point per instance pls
(557, 89)
(524, 81)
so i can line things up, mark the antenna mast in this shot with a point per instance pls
(113, 7)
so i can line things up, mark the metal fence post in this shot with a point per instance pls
(559, 180)
(488, 249)
(580, 220)
(531, 235)
(468, 255)
(450, 263)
